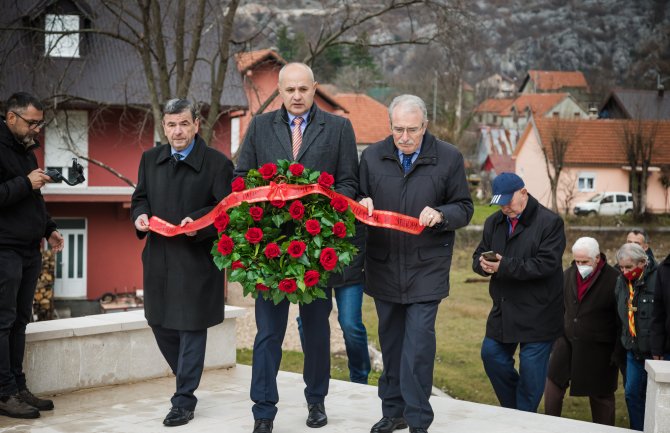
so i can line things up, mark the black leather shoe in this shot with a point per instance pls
(39, 403)
(178, 416)
(263, 426)
(388, 425)
(13, 407)
(317, 415)
(417, 430)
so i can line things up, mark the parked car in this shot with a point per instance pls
(606, 203)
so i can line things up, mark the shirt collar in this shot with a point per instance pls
(184, 152)
(305, 118)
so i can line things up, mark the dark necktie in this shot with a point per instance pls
(406, 162)
(177, 157)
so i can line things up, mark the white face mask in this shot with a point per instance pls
(584, 270)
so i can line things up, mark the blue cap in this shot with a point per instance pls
(504, 187)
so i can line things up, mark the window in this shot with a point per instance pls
(620, 198)
(68, 128)
(61, 38)
(586, 182)
(607, 199)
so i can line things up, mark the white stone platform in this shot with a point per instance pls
(224, 407)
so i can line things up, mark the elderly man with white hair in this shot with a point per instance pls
(582, 358)
(635, 303)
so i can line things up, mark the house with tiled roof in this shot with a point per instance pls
(489, 111)
(495, 149)
(368, 116)
(562, 105)
(259, 71)
(636, 104)
(96, 97)
(594, 162)
(497, 86)
(554, 81)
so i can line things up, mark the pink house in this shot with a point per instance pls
(594, 163)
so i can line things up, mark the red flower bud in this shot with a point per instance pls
(272, 250)
(296, 249)
(328, 259)
(313, 227)
(238, 184)
(326, 180)
(296, 169)
(268, 170)
(312, 278)
(225, 246)
(254, 235)
(288, 285)
(296, 210)
(339, 229)
(256, 213)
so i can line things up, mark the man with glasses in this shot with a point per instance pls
(24, 222)
(413, 173)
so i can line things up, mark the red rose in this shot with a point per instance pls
(256, 213)
(278, 203)
(312, 278)
(272, 250)
(262, 287)
(268, 170)
(226, 245)
(237, 265)
(221, 221)
(238, 184)
(339, 204)
(328, 259)
(254, 235)
(288, 285)
(296, 210)
(296, 248)
(296, 169)
(313, 227)
(339, 229)
(326, 180)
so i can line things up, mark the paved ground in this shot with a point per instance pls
(224, 407)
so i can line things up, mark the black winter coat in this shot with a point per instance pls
(527, 290)
(643, 302)
(584, 354)
(406, 268)
(24, 220)
(183, 289)
(660, 325)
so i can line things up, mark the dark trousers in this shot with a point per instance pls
(407, 339)
(602, 406)
(184, 351)
(271, 323)
(18, 278)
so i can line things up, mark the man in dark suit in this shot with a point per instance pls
(298, 131)
(413, 173)
(183, 289)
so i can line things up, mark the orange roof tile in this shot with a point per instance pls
(556, 80)
(369, 118)
(539, 103)
(248, 59)
(599, 142)
(493, 105)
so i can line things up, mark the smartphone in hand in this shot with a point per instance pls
(490, 256)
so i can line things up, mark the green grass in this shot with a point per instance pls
(482, 211)
(460, 327)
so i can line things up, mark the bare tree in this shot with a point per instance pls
(637, 138)
(561, 135)
(568, 185)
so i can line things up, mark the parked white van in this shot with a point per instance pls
(606, 203)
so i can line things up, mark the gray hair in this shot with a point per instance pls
(408, 102)
(178, 106)
(302, 65)
(587, 244)
(633, 252)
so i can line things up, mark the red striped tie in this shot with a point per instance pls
(297, 136)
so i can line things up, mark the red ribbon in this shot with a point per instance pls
(285, 192)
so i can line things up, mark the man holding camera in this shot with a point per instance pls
(521, 249)
(24, 222)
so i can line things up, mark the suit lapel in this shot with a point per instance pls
(283, 137)
(313, 130)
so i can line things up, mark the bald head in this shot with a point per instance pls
(297, 88)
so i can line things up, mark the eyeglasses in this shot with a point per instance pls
(32, 124)
(410, 130)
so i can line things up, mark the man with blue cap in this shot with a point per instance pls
(521, 250)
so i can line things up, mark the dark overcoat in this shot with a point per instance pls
(406, 268)
(527, 290)
(583, 356)
(660, 325)
(183, 289)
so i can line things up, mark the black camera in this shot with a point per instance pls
(76, 174)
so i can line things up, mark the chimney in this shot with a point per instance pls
(593, 111)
